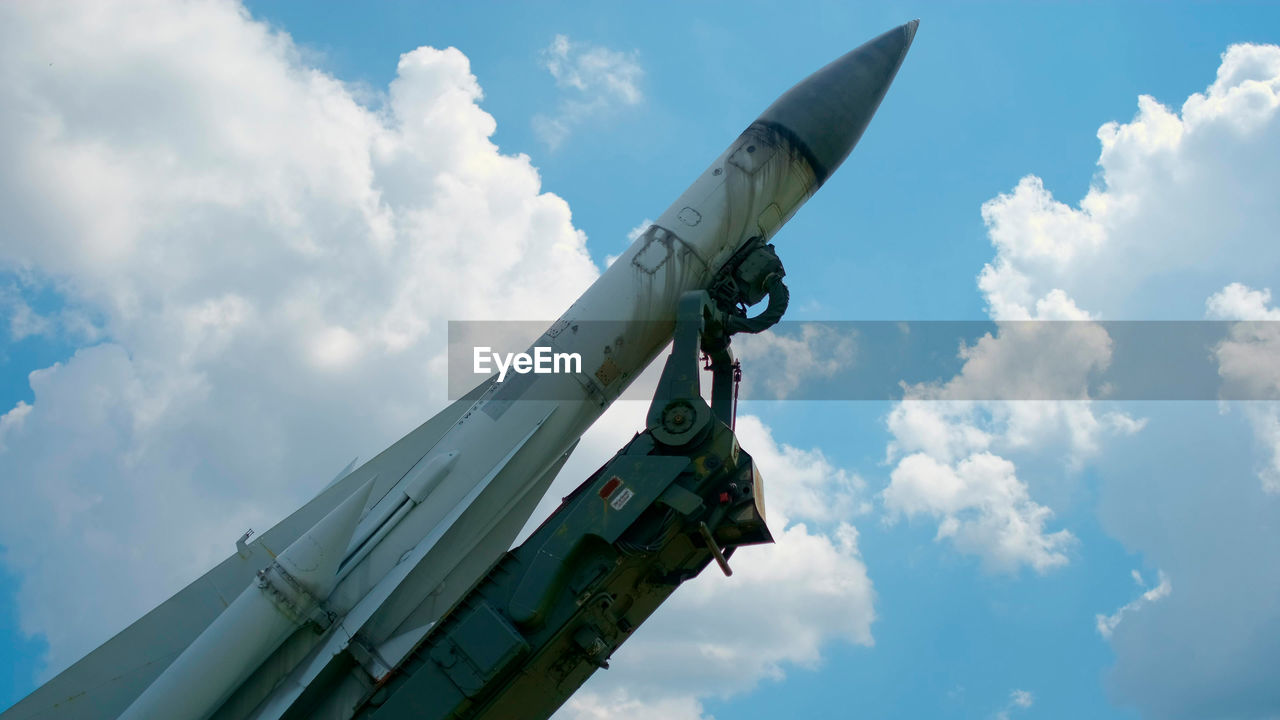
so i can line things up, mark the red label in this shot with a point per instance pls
(610, 486)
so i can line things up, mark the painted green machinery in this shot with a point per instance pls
(549, 613)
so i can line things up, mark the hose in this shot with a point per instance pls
(779, 296)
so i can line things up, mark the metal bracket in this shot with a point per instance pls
(242, 545)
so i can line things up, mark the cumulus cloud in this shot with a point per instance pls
(784, 360)
(1028, 361)
(951, 451)
(1247, 363)
(1265, 420)
(1180, 210)
(1176, 194)
(1241, 302)
(593, 81)
(951, 455)
(268, 265)
(981, 506)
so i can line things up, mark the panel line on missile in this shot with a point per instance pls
(820, 171)
(659, 247)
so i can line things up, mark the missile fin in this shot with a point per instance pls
(103, 683)
(313, 559)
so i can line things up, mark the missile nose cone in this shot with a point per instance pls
(828, 111)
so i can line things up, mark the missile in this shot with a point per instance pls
(503, 446)
(449, 498)
(284, 597)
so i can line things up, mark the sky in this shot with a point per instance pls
(231, 236)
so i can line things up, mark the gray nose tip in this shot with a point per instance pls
(827, 112)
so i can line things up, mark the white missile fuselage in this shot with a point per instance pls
(499, 452)
(617, 327)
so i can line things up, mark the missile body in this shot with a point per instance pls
(505, 444)
(254, 624)
(447, 500)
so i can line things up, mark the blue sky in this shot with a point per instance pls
(976, 622)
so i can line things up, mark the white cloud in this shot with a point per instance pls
(982, 507)
(634, 233)
(269, 264)
(1181, 209)
(1028, 361)
(950, 453)
(1240, 302)
(593, 80)
(934, 428)
(1176, 195)
(592, 68)
(1031, 232)
(801, 485)
(1247, 363)
(1106, 624)
(1265, 419)
(1018, 700)
(784, 360)
(622, 704)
